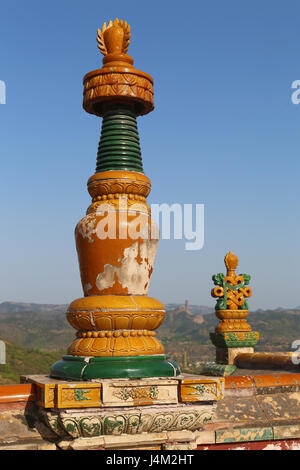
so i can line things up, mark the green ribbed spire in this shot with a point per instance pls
(119, 146)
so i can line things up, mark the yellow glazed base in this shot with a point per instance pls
(232, 320)
(117, 343)
(116, 312)
(115, 325)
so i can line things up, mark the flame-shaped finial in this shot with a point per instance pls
(117, 82)
(231, 261)
(114, 38)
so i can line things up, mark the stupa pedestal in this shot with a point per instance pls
(126, 413)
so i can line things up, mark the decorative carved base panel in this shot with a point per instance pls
(235, 339)
(116, 421)
(196, 389)
(114, 393)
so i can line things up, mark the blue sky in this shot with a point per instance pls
(224, 133)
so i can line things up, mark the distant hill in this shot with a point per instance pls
(35, 326)
(180, 332)
(275, 327)
(292, 311)
(186, 327)
(194, 309)
(22, 361)
(19, 307)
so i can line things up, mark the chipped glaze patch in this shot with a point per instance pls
(135, 270)
(86, 227)
(87, 287)
(244, 435)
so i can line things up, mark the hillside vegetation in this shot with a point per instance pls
(47, 330)
(24, 361)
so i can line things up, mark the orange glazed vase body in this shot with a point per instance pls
(116, 241)
(113, 266)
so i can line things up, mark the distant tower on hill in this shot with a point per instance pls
(186, 305)
(185, 360)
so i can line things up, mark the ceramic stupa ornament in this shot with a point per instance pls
(116, 241)
(232, 292)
